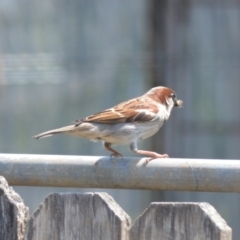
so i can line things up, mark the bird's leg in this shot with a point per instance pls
(153, 155)
(107, 146)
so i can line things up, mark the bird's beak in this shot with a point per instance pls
(178, 103)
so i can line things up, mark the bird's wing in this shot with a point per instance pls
(135, 110)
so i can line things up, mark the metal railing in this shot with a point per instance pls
(128, 173)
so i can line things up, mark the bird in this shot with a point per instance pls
(126, 123)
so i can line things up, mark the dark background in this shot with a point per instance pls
(64, 60)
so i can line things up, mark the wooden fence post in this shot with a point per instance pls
(180, 221)
(13, 213)
(74, 216)
(93, 216)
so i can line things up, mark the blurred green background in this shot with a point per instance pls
(64, 60)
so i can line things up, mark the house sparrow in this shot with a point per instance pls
(126, 123)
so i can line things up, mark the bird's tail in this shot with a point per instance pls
(50, 133)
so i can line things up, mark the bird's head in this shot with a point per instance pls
(165, 96)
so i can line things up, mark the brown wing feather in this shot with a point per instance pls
(135, 110)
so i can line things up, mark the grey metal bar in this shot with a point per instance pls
(129, 173)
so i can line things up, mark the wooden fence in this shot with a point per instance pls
(93, 216)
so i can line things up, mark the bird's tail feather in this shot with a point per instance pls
(55, 131)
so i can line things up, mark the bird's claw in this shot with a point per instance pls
(155, 157)
(113, 155)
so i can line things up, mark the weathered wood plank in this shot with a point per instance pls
(180, 221)
(13, 213)
(75, 216)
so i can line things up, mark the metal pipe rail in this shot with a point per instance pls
(128, 173)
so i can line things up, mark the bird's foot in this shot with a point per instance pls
(114, 155)
(154, 156)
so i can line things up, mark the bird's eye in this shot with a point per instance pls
(173, 95)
